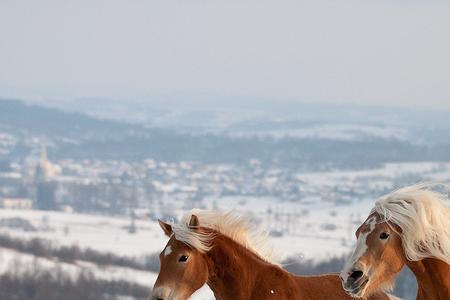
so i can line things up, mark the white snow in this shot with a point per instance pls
(321, 228)
(27, 262)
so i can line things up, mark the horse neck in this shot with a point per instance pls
(233, 270)
(433, 278)
(237, 273)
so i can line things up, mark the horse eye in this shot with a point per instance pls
(384, 235)
(183, 258)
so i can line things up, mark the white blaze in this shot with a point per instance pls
(361, 248)
(168, 250)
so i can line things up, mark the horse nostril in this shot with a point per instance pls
(355, 275)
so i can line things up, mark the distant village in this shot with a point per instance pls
(141, 189)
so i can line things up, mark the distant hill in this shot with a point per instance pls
(244, 116)
(16, 115)
(74, 135)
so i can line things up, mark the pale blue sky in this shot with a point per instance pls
(369, 52)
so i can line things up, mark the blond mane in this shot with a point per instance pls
(423, 215)
(231, 224)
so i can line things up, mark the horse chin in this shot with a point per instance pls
(170, 294)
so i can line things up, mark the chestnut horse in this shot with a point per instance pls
(410, 226)
(225, 252)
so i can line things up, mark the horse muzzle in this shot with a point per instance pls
(355, 283)
(161, 293)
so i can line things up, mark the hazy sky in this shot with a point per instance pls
(388, 52)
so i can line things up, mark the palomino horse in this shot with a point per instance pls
(409, 226)
(222, 250)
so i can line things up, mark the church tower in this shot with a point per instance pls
(45, 187)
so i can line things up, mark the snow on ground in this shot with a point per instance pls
(320, 228)
(27, 262)
(388, 172)
(321, 231)
(111, 234)
(101, 233)
(9, 257)
(97, 232)
(344, 132)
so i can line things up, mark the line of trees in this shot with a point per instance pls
(38, 283)
(71, 254)
(405, 284)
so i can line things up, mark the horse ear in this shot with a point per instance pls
(194, 223)
(167, 228)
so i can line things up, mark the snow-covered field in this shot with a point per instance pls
(27, 262)
(9, 257)
(111, 235)
(312, 228)
(343, 132)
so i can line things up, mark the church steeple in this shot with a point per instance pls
(44, 170)
(45, 186)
